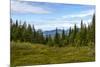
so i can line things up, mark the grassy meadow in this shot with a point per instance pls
(51, 33)
(23, 53)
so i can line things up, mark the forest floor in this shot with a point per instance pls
(23, 54)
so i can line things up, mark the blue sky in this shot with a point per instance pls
(48, 16)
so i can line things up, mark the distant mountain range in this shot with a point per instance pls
(52, 32)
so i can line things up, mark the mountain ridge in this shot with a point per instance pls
(52, 32)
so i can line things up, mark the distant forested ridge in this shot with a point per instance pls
(83, 36)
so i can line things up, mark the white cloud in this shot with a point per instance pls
(23, 7)
(54, 26)
(51, 25)
(60, 24)
(80, 15)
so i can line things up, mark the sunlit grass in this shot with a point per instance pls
(34, 54)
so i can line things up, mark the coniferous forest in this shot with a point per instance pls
(83, 36)
(30, 46)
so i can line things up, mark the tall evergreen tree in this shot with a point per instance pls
(63, 34)
(16, 23)
(33, 34)
(24, 30)
(57, 37)
(29, 33)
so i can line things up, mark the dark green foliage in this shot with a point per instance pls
(25, 33)
(57, 37)
(63, 34)
(83, 36)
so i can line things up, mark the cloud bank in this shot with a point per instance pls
(23, 7)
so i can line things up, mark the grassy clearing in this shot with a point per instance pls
(33, 54)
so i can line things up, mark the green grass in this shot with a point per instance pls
(36, 54)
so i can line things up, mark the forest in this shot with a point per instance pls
(30, 46)
(83, 36)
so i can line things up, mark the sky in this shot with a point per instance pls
(49, 16)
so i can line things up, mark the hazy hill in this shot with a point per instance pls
(52, 32)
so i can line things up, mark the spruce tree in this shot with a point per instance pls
(63, 34)
(57, 37)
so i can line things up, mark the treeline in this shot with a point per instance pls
(83, 36)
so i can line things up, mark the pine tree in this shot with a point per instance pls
(63, 34)
(16, 23)
(91, 32)
(57, 37)
(46, 39)
(33, 34)
(24, 30)
(81, 34)
(75, 35)
(29, 33)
